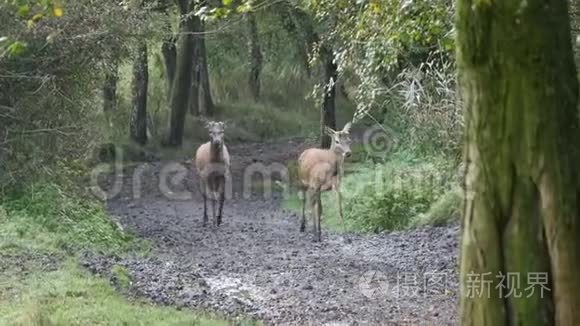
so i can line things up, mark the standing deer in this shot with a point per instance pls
(212, 161)
(320, 170)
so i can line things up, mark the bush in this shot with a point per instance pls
(446, 210)
(388, 196)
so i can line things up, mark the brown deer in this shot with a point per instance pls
(320, 170)
(212, 161)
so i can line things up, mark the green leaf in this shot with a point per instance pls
(23, 11)
(16, 48)
(227, 2)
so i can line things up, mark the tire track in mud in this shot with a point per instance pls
(258, 265)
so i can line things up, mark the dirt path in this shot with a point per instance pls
(257, 264)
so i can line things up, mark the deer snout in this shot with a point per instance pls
(347, 154)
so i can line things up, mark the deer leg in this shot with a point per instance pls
(303, 222)
(213, 202)
(315, 214)
(319, 214)
(339, 199)
(221, 202)
(203, 189)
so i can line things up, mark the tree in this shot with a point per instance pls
(179, 98)
(169, 52)
(522, 207)
(327, 111)
(138, 124)
(255, 56)
(110, 86)
(206, 106)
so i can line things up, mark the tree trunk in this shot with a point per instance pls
(179, 99)
(169, 52)
(255, 57)
(205, 99)
(110, 87)
(194, 101)
(522, 185)
(138, 125)
(327, 112)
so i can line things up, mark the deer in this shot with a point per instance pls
(212, 161)
(320, 170)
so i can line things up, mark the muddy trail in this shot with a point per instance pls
(257, 264)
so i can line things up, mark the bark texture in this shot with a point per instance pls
(327, 112)
(206, 106)
(179, 98)
(110, 87)
(138, 125)
(169, 52)
(255, 57)
(522, 190)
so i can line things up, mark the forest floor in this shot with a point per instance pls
(258, 265)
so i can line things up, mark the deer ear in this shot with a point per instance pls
(346, 128)
(329, 131)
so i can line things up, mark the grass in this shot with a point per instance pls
(42, 229)
(446, 210)
(46, 217)
(405, 191)
(70, 296)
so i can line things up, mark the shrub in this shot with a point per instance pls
(387, 196)
(446, 210)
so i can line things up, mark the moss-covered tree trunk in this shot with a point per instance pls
(327, 112)
(179, 98)
(206, 106)
(138, 124)
(522, 206)
(255, 53)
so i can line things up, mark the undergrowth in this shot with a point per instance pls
(45, 215)
(43, 227)
(407, 190)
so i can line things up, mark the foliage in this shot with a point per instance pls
(446, 210)
(396, 57)
(391, 195)
(423, 105)
(69, 296)
(48, 104)
(47, 217)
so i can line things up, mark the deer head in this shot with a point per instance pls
(341, 141)
(216, 132)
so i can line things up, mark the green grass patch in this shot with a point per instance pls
(70, 296)
(47, 217)
(391, 195)
(446, 210)
(42, 228)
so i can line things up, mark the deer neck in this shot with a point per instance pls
(337, 154)
(215, 152)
